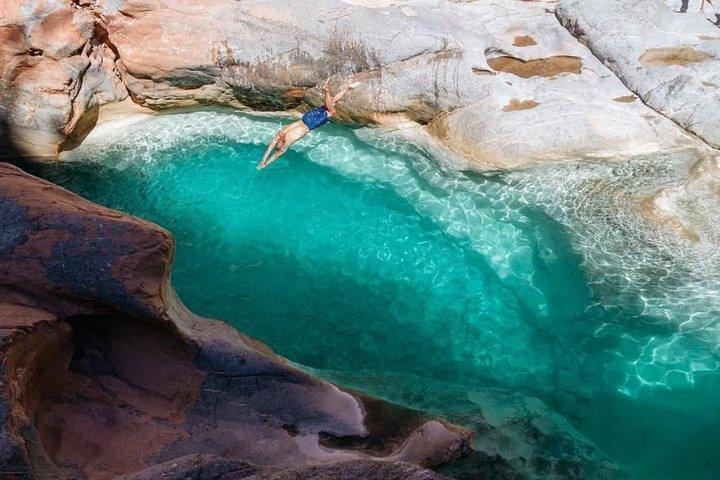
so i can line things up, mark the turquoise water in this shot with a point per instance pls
(539, 307)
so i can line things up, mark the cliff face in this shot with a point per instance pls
(55, 72)
(105, 373)
(504, 84)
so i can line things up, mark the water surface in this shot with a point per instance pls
(542, 302)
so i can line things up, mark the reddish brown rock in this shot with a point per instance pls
(55, 71)
(106, 373)
(208, 467)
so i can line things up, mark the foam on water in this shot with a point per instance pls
(369, 259)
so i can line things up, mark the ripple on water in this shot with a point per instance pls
(361, 252)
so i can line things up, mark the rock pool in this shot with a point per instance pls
(540, 307)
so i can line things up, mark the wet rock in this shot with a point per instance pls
(517, 436)
(207, 467)
(104, 371)
(691, 207)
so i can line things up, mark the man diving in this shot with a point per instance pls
(313, 119)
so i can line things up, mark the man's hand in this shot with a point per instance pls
(326, 86)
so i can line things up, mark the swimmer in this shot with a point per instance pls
(313, 119)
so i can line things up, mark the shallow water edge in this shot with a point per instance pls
(488, 299)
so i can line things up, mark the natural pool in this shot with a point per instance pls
(539, 307)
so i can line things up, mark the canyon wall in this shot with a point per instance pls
(503, 84)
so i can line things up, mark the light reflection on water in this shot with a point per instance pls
(361, 258)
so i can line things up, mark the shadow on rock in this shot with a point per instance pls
(105, 372)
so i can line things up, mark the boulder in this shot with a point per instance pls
(106, 373)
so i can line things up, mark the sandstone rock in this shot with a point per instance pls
(422, 445)
(674, 67)
(54, 73)
(455, 66)
(207, 467)
(672, 64)
(106, 373)
(514, 430)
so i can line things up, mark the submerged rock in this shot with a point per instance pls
(673, 67)
(106, 373)
(692, 206)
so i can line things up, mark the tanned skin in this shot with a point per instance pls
(297, 130)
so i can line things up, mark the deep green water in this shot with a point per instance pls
(540, 303)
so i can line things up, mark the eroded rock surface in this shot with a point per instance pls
(207, 467)
(669, 58)
(454, 66)
(692, 206)
(55, 72)
(105, 373)
(668, 54)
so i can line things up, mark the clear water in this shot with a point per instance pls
(540, 307)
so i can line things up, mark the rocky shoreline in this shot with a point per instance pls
(507, 87)
(105, 373)
(511, 85)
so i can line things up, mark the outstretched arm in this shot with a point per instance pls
(267, 161)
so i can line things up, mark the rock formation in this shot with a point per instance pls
(674, 67)
(669, 58)
(105, 373)
(464, 82)
(55, 72)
